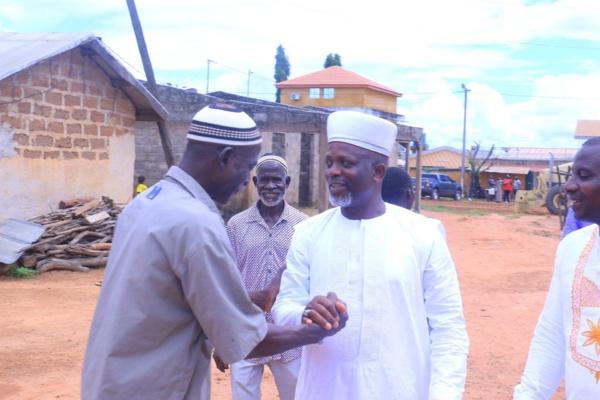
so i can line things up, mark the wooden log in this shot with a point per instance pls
(55, 263)
(83, 234)
(93, 262)
(29, 261)
(86, 207)
(57, 224)
(100, 246)
(101, 216)
(70, 203)
(81, 251)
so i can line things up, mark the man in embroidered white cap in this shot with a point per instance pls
(260, 237)
(566, 341)
(406, 338)
(171, 289)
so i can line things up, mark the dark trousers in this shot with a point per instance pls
(506, 196)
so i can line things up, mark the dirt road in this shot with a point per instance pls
(504, 263)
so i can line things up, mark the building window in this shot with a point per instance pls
(328, 93)
(314, 93)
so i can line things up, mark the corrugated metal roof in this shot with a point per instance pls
(445, 157)
(335, 77)
(16, 234)
(19, 51)
(537, 153)
(511, 169)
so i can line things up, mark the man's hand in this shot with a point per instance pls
(272, 287)
(266, 298)
(221, 366)
(327, 311)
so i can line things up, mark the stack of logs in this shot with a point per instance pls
(78, 236)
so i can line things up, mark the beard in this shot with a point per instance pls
(271, 202)
(341, 201)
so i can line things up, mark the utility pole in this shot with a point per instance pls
(151, 82)
(207, 74)
(464, 139)
(248, 86)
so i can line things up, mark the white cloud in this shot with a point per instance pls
(429, 46)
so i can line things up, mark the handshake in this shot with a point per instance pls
(323, 316)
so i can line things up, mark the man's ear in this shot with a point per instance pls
(287, 182)
(225, 156)
(379, 172)
(255, 180)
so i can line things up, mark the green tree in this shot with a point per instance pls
(332, 59)
(282, 69)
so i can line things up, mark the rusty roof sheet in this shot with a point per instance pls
(335, 77)
(19, 51)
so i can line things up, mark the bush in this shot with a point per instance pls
(21, 272)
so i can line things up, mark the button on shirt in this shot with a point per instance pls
(260, 252)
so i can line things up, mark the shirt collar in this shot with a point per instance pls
(192, 187)
(254, 214)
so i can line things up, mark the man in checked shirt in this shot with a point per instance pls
(260, 237)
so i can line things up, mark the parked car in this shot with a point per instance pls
(440, 185)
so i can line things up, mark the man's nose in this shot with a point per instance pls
(332, 170)
(570, 185)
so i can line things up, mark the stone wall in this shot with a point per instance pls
(65, 132)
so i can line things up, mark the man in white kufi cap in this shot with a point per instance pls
(172, 291)
(406, 336)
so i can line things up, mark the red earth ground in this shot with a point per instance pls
(504, 264)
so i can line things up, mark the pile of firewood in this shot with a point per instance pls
(77, 236)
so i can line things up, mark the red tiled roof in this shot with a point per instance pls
(335, 77)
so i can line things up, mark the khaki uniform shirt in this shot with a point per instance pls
(170, 284)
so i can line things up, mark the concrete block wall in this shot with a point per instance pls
(270, 117)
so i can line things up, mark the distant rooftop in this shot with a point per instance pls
(536, 153)
(336, 77)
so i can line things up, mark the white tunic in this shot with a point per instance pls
(406, 336)
(566, 341)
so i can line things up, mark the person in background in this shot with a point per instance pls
(507, 188)
(566, 341)
(491, 181)
(491, 194)
(406, 339)
(397, 188)
(141, 186)
(172, 289)
(499, 193)
(516, 186)
(260, 237)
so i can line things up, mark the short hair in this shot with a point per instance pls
(141, 178)
(395, 182)
(595, 141)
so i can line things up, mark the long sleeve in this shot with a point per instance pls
(449, 340)
(545, 363)
(294, 292)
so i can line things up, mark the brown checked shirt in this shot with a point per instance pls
(260, 252)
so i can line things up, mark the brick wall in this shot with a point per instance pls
(72, 135)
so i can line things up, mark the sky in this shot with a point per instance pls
(531, 68)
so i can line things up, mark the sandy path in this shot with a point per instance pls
(504, 264)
